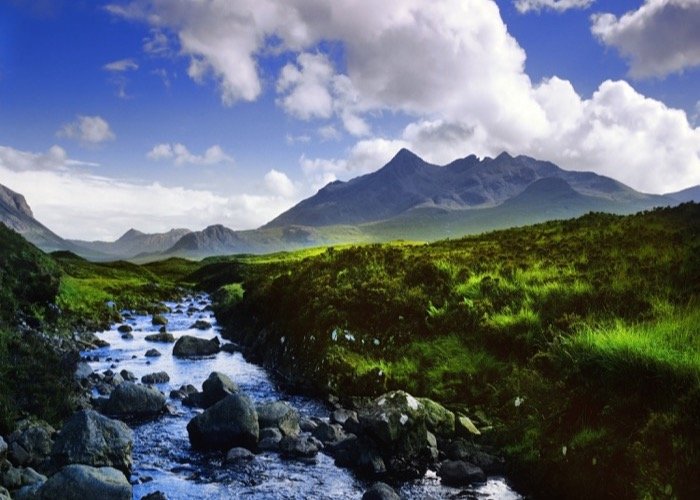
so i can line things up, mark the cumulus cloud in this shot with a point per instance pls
(453, 71)
(659, 38)
(78, 204)
(524, 6)
(279, 184)
(181, 155)
(306, 87)
(87, 129)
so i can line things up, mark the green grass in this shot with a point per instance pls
(591, 323)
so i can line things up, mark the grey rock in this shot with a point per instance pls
(82, 482)
(3, 448)
(11, 478)
(279, 414)
(153, 353)
(127, 336)
(191, 347)
(156, 495)
(270, 438)
(461, 449)
(4, 494)
(82, 371)
(301, 447)
(216, 387)
(328, 433)
(92, 439)
(307, 425)
(18, 455)
(161, 337)
(438, 419)
(128, 376)
(33, 444)
(341, 416)
(134, 401)
(156, 378)
(159, 319)
(380, 491)
(230, 348)
(201, 324)
(125, 328)
(229, 423)
(238, 454)
(460, 473)
(30, 476)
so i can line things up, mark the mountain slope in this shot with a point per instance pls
(689, 194)
(135, 242)
(407, 182)
(16, 214)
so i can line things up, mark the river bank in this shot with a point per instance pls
(163, 459)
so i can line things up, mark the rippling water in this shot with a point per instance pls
(164, 461)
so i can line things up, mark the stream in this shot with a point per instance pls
(164, 460)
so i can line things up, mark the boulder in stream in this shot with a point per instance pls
(229, 423)
(129, 400)
(85, 482)
(192, 347)
(164, 337)
(89, 438)
(216, 387)
(155, 378)
(459, 473)
(201, 324)
(380, 491)
(281, 415)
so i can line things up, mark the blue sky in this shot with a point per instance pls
(180, 113)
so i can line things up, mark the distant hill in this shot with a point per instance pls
(411, 199)
(407, 183)
(690, 194)
(135, 242)
(16, 214)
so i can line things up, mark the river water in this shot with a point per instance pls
(164, 461)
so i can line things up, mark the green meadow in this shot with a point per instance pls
(573, 345)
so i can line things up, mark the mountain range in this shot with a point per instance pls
(408, 198)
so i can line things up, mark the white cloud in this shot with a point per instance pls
(21, 161)
(121, 66)
(77, 204)
(524, 6)
(453, 70)
(87, 129)
(305, 87)
(181, 155)
(279, 184)
(329, 133)
(157, 44)
(659, 38)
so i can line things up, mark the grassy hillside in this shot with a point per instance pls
(43, 300)
(575, 341)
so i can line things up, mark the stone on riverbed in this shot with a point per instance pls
(216, 387)
(395, 421)
(201, 324)
(85, 482)
(270, 438)
(302, 447)
(152, 353)
(281, 415)
(192, 347)
(161, 337)
(229, 423)
(380, 491)
(89, 438)
(134, 401)
(459, 473)
(155, 378)
(125, 329)
(236, 455)
(159, 319)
